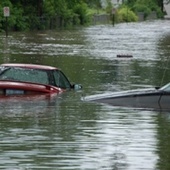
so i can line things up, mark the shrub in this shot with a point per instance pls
(81, 11)
(142, 8)
(126, 15)
(147, 6)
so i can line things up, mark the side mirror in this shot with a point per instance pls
(77, 86)
(157, 87)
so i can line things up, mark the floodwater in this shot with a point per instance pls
(61, 132)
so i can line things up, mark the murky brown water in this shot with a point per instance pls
(64, 132)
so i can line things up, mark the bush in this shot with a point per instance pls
(142, 8)
(147, 6)
(81, 11)
(126, 15)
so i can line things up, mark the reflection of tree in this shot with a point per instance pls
(44, 128)
(162, 66)
(163, 141)
(119, 160)
(133, 72)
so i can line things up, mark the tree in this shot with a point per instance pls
(40, 7)
(160, 3)
(93, 3)
(146, 6)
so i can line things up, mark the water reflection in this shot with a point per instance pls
(105, 138)
(163, 145)
(64, 133)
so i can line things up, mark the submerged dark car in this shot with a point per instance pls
(150, 98)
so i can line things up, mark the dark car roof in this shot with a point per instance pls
(31, 66)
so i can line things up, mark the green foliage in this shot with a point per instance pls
(28, 15)
(42, 14)
(81, 11)
(19, 22)
(49, 8)
(93, 3)
(124, 14)
(109, 7)
(142, 8)
(146, 6)
(19, 19)
(71, 12)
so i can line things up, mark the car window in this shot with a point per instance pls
(28, 75)
(61, 80)
(166, 88)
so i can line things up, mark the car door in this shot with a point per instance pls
(164, 101)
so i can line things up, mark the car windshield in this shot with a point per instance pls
(23, 74)
(166, 88)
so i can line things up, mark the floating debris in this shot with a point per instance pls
(124, 56)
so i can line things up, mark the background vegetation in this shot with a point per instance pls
(43, 14)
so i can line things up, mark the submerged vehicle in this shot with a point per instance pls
(20, 79)
(149, 98)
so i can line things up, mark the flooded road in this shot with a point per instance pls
(64, 132)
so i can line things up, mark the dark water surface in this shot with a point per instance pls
(64, 133)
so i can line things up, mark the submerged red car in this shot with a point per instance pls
(20, 79)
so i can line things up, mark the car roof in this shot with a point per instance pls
(30, 66)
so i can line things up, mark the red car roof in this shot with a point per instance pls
(31, 66)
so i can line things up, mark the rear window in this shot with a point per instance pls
(22, 74)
